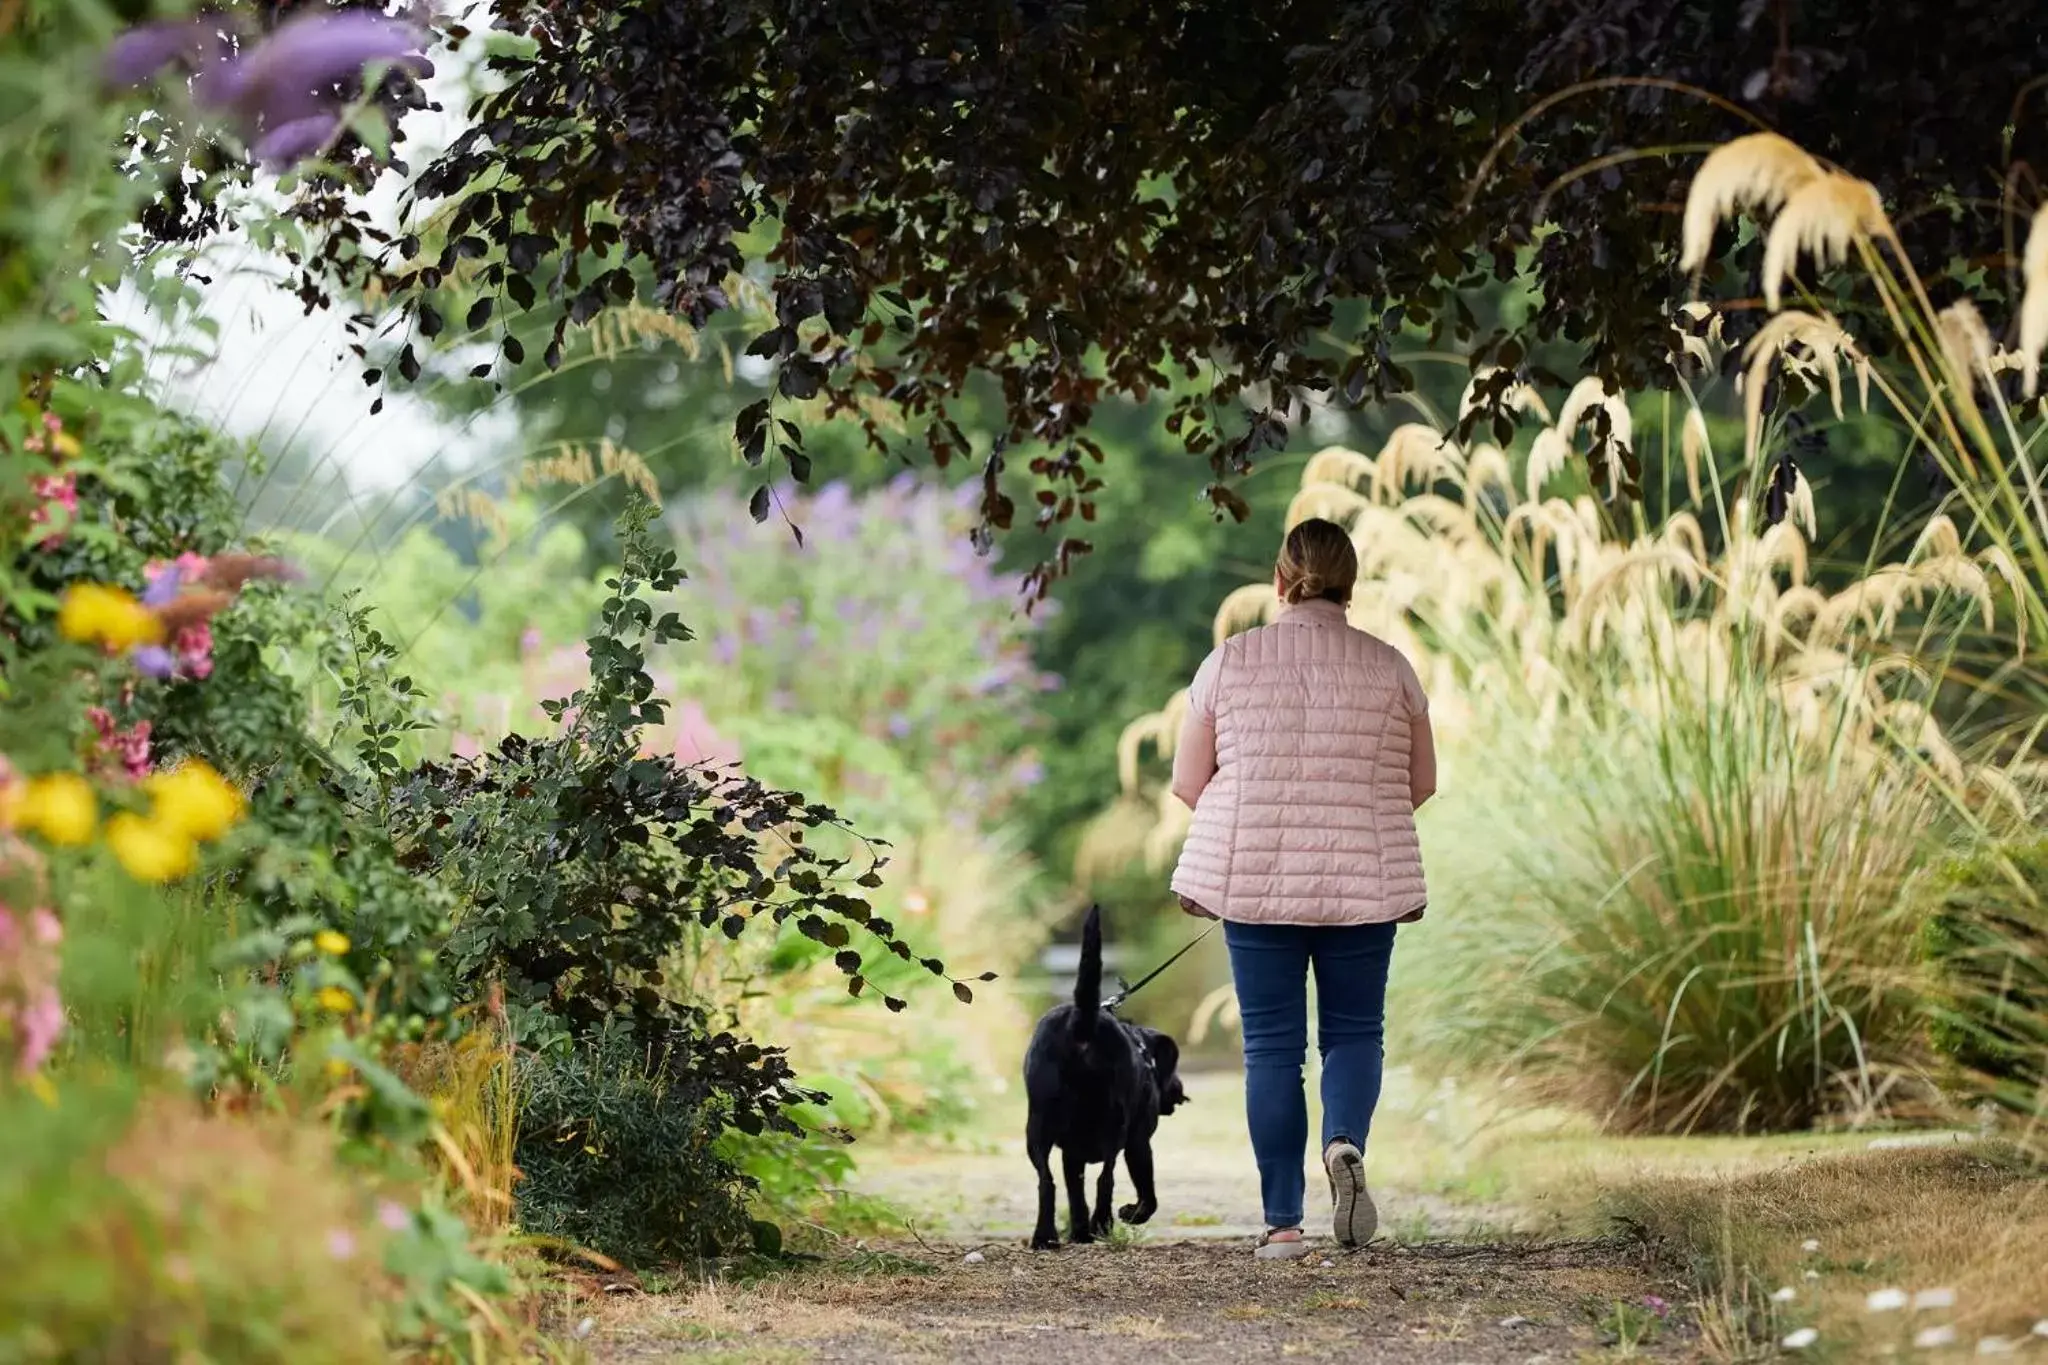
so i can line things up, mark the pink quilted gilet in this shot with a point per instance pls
(1296, 758)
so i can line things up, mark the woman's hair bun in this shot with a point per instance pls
(1318, 560)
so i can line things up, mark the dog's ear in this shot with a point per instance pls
(1164, 1052)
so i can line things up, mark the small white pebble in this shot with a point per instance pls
(1927, 1338)
(584, 1328)
(1810, 1245)
(1996, 1346)
(973, 1258)
(1885, 1301)
(2041, 1328)
(1813, 1274)
(1785, 1295)
(1325, 1263)
(1801, 1339)
(1516, 1321)
(1935, 1298)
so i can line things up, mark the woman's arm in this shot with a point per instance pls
(1421, 739)
(1194, 756)
(1421, 759)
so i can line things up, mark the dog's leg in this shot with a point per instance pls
(1105, 1198)
(1077, 1199)
(1045, 1237)
(1138, 1156)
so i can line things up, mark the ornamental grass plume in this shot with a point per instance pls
(1760, 171)
(1823, 218)
(2034, 301)
(1966, 345)
(1820, 343)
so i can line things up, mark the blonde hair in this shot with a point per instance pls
(1317, 560)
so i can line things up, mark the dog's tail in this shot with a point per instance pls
(1088, 982)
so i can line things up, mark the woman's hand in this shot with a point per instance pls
(1195, 910)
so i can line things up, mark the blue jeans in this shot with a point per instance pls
(1270, 964)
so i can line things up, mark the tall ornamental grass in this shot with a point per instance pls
(1686, 789)
(1970, 403)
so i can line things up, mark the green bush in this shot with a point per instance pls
(1986, 940)
(619, 1148)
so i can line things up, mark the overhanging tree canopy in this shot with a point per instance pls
(1233, 204)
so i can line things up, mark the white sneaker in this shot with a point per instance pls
(1353, 1219)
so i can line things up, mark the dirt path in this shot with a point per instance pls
(1447, 1281)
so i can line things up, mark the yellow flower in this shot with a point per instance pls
(59, 806)
(330, 942)
(195, 800)
(149, 850)
(335, 1000)
(96, 613)
(336, 1068)
(12, 792)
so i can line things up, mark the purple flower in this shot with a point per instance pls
(163, 585)
(899, 725)
(1029, 773)
(725, 648)
(284, 90)
(293, 73)
(297, 140)
(154, 661)
(146, 49)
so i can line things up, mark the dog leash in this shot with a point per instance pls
(1128, 991)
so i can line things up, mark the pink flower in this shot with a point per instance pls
(195, 650)
(54, 491)
(130, 746)
(40, 1025)
(394, 1216)
(341, 1243)
(31, 1011)
(697, 741)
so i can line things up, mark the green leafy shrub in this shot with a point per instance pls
(1986, 939)
(589, 871)
(620, 1148)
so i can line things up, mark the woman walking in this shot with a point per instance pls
(1305, 754)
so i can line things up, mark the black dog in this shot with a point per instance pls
(1097, 1088)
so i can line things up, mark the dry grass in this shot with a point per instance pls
(469, 1084)
(1969, 1219)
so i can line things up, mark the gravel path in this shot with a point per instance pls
(1445, 1282)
